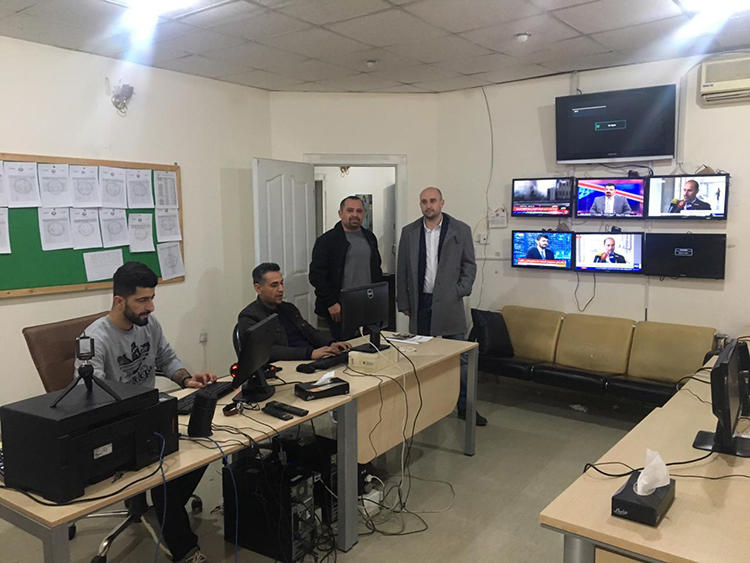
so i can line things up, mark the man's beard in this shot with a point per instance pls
(133, 318)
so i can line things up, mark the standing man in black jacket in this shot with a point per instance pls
(345, 256)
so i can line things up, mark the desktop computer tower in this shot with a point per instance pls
(317, 454)
(274, 505)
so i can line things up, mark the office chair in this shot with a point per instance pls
(52, 348)
(236, 340)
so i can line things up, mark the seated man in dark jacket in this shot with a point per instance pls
(296, 339)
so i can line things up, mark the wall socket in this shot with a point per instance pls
(481, 238)
(203, 337)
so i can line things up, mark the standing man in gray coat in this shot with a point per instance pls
(436, 270)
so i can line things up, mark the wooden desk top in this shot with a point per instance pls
(708, 520)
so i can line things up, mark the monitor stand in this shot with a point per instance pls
(255, 390)
(738, 446)
(374, 346)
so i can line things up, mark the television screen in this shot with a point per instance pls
(620, 125)
(535, 249)
(542, 196)
(685, 255)
(688, 197)
(609, 252)
(602, 197)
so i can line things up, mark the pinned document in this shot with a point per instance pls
(140, 192)
(167, 225)
(54, 184)
(170, 260)
(112, 182)
(3, 187)
(114, 227)
(85, 182)
(102, 265)
(84, 226)
(54, 228)
(4, 231)
(166, 189)
(22, 183)
(139, 232)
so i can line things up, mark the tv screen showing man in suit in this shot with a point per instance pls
(609, 197)
(609, 252)
(682, 197)
(542, 249)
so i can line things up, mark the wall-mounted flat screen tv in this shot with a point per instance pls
(542, 249)
(610, 197)
(619, 125)
(542, 197)
(688, 196)
(689, 255)
(609, 252)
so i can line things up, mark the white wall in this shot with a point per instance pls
(376, 180)
(53, 102)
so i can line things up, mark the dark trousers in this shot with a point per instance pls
(178, 536)
(424, 320)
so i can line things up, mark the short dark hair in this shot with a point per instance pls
(260, 271)
(130, 276)
(610, 184)
(359, 199)
(542, 235)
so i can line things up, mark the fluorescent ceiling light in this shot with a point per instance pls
(142, 16)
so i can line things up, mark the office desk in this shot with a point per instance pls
(708, 519)
(381, 405)
(50, 523)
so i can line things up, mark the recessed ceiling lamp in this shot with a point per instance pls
(371, 63)
(142, 15)
(522, 37)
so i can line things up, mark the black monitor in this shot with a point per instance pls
(542, 197)
(728, 395)
(688, 196)
(609, 252)
(687, 255)
(365, 306)
(255, 352)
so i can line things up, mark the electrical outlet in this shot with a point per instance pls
(203, 337)
(482, 238)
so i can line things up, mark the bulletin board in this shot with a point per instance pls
(29, 270)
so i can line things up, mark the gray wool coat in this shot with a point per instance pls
(455, 277)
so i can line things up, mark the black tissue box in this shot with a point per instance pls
(648, 509)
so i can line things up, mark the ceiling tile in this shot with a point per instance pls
(449, 84)
(474, 65)
(357, 60)
(557, 4)
(736, 32)
(314, 42)
(44, 31)
(327, 11)
(312, 70)
(223, 13)
(401, 89)
(450, 47)
(255, 55)
(387, 28)
(599, 60)
(361, 82)
(569, 49)
(412, 74)
(515, 72)
(262, 79)
(201, 66)
(612, 14)
(462, 15)
(641, 35)
(77, 12)
(201, 40)
(13, 7)
(543, 29)
(261, 25)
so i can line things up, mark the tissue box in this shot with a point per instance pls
(332, 387)
(648, 509)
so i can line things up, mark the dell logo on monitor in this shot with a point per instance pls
(683, 251)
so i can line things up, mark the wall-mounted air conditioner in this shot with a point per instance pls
(725, 80)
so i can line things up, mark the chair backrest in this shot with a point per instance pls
(236, 340)
(53, 349)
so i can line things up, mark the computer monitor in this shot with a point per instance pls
(728, 395)
(365, 306)
(627, 197)
(255, 352)
(542, 197)
(542, 249)
(609, 252)
(687, 255)
(688, 196)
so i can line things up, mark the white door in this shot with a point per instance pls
(284, 212)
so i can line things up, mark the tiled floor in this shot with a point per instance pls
(534, 446)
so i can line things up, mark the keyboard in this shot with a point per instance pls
(324, 363)
(218, 389)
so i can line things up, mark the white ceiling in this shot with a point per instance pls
(418, 45)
